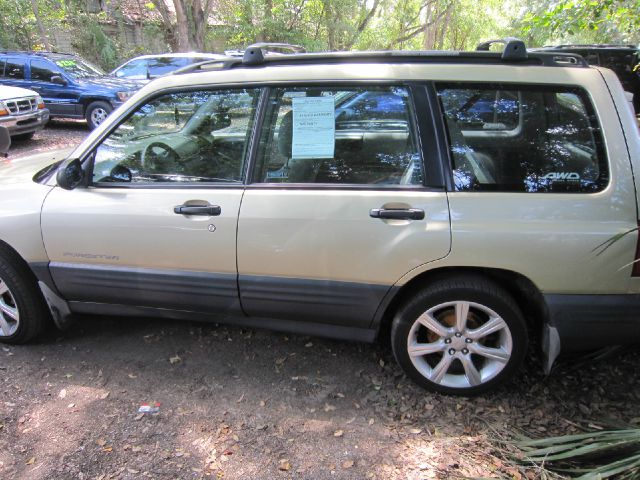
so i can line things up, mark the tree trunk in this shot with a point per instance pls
(182, 26)
(43, 34)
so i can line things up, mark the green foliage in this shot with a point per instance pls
(593, 455)
(597, 21)
(95, 45)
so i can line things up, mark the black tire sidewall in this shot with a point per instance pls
(482, 293)
(32, 310)
(92, 106)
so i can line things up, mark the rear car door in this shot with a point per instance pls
(342, 203)
(157, 225)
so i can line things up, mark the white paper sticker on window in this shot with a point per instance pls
(314, 127)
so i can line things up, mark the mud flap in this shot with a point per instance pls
(62, 316)
(550, 346)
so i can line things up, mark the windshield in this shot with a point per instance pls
(78, 68)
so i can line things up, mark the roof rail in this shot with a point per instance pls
(275, 47)
(514, 48)
(591, 45)
(255, 57)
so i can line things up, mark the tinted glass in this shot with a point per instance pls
(530, 139)
(78, 68)
(136, 69)
(14, 69)
(42, 71)
(340, 135)
(193, 137)
(163, 65)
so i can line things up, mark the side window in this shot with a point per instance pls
(2, 65)
(197, 136)
(14, 69)
(42, 71)
(340, 135)
(137, 69)
(546, 139)
(163, 65)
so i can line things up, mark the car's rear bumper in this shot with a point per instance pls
(25, 123)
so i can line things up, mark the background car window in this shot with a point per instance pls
(340, 136)
(199, 136)
(14, 69)
(78, 68)
(163, 65)
(547, 140)
(136, 69)
(42, 71)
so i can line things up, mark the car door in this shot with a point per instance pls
(57, 97)
(156, 227)
(341, 203)
(14, 72)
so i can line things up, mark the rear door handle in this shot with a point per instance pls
(208, 210)
(397, 213)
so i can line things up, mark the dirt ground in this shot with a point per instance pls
(57, 134)
(250, 404)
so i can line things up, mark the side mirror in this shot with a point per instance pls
(5, 142)
(58, 80)
(70, 174)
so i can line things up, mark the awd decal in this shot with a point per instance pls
(562, 176)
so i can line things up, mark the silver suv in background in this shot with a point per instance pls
(22, 111)
(148, 67)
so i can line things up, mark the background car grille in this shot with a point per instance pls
(19, 106)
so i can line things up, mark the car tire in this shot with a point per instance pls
(23, 312)
(461, 335)
(96, 113)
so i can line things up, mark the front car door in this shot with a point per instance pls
(340, 205)
(156, 227)
(56, 97)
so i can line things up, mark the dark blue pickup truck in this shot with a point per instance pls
(69, 86)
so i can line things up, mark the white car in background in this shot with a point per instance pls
(148, 67)
(22, 111)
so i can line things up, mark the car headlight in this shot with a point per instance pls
(3, 109)
(124, 96)
(40, 102)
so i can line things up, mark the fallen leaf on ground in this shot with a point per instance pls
(175, 359)
(31, 461)
(329, 408)
(338, 433)
(104, 395)
(348, 464)
(131, 375)
(240, 399)
(63, 393)
(71, 405)
(415, 431)
(101, 442)
(284, 465)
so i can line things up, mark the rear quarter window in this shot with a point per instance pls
(535, 139)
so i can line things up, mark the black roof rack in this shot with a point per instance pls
(591, 45)
(33, 52)
(514, 53)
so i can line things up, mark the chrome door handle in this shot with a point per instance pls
(397, 213)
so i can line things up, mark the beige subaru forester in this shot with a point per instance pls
(463, 203)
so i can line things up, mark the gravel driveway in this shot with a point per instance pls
(57, 134)
(240, 403)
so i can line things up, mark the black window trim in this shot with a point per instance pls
(580, 91)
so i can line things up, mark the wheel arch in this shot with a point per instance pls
(525, 293)
(86, 101)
